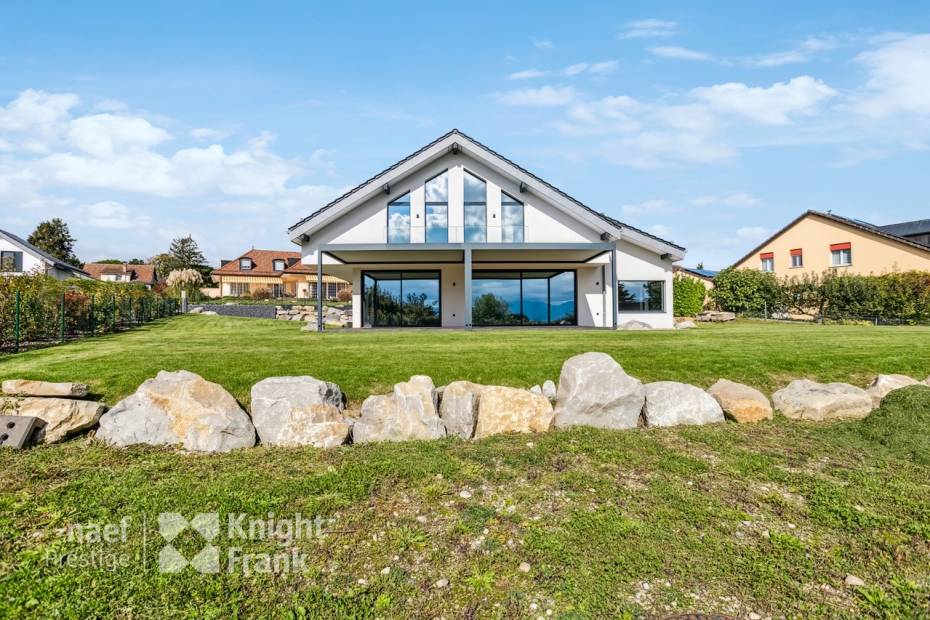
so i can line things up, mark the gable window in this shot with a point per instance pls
(641, 296)
(437, 209)
(841, 254)
(511, 219)
(399, 220)
(245, 264)
(476, 209)
(797, 258)
(278, 264)
(767, 261)
(11, 261)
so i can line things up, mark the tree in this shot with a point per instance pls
(188, 280)
(184, 253)
(54, 238)
(689, 296)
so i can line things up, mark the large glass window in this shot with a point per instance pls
(437, 209)
(511, 219)
(476, 209)
(523, 298)
(641, 296)
(401, 299)
(399, 220)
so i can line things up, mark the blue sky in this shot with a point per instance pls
(709, 124)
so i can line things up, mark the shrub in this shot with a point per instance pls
(689, 295)
(261, 293)
(345, 294)
(747, 290)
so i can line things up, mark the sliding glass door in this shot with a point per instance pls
(401, 299)
(523, 298)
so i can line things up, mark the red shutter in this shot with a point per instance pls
(766, 255)
(796, 252)
(840, 246)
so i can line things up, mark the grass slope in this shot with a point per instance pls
(767, 518)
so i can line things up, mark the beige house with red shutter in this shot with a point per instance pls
(817, 242)
(277, 272)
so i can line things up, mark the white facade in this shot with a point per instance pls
(18, 257)
(556, 245)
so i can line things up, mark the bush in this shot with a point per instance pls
(901, 423)
(747, 290)
(261, 293)
(345, 294)
(689, 295)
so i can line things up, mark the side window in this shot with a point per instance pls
(511, 219)
(398, 230)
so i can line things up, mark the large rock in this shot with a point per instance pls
(715, 316)
(635, 326)
(803, 399)
(595, 391)
(406, 414)
(741, 402)
(459, 408)
(884, 384)
(511, 410)
(63, 417)
(685, 325)
(179, 408)
(297, 411)
(549, 390)
(24, 387)
(669, 404)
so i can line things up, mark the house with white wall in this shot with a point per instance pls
(18, 257)
(456, 235)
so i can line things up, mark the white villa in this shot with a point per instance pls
(456, 235)
(18, 257)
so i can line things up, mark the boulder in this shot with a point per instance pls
(884, 384)
(511, 410)
(209, 313)
(808, 400)
(685, 325)
(595, 391)
(459, 408)
(24, 387)
(63, 417)
(669, 403)
(741, 402)
(406, 414)
(536, 389)
(195, 310)
(715, 316)
(298, 411)
(179, 408)
(635, 326)
(549, 390)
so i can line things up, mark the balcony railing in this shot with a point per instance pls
(455, 234)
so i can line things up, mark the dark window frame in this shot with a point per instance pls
(621, 309)
(387, 211)
(17, 256)
(522, 226)
(522, 323)
(473, 203)
(402, 273)
(435, 203)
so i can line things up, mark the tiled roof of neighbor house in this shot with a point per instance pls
(702, 273)
(28, 247)
(262, 263)
(456, 132)
(144, 274)
(858, 224)
(907, 229)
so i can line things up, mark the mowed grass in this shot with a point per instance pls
(766, 519)
(238, 352)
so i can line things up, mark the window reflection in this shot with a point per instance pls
(523, 298)
(437, 209)
(476, 209)
(399, 220)
(511, 219)
(401, 299)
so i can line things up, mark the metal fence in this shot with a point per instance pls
(29, 321)
(832, 318)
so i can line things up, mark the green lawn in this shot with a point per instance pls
(767, 518)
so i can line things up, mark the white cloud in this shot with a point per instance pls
(649, 28)
(648, 207)
(680, 53)
(527, 74)
(206, 134)
(802, 52)
(657, 149)
(543, 44)
(111, 214)
(547, 96)
(898, 78)
(575, 69)
(603, 116)
(660, 230)
(604, 68)
(751, 233)
(38, 117)
(104, 135)
(111, 105)
(733, 199)
(770, 106)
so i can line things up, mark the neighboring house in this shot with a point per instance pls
(123, 272)
(816, 242)
(278, 272)
(457, 235)
(18, 257)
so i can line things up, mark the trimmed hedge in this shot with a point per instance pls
(689, 295)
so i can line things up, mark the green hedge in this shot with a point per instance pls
(689, 295)
(903, 296)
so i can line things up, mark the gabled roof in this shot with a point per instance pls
(908, 229)
(706, 274)
(45, 256)
(137, 273)
(398, 168)
(262, 263)
(857, 224)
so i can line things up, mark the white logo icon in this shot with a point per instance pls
(171, 525)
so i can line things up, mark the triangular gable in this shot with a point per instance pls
(457, 141)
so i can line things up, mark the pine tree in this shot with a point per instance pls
(54, 238)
